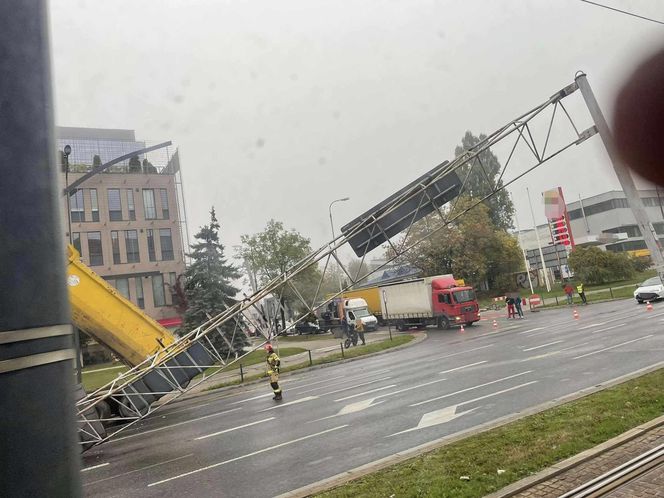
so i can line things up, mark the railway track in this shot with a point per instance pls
(620, 475)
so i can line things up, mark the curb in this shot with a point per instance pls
(371, 467)
(419, 337)
(570, 463)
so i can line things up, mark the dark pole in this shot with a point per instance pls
(40, 455)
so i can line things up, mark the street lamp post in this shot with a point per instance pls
(332, 227)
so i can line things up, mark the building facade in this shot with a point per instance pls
(125, 222)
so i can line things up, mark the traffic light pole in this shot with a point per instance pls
(40, 455)
(624, 176)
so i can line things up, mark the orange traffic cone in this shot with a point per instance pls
(462, 330)
(648, 306)
(575, 314)
(495, 325)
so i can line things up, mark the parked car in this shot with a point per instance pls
(649, 290)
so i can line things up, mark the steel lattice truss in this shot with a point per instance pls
(189, 362)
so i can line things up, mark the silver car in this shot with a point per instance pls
(649, 290)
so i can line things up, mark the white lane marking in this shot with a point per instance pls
(456, 354)
(281, 405)
(592, 325)
(471, 388)
(575, 346)
(184, 409)
(531, 330)
(543, 345)
(353, 387)
(319, 382)
(437, 417)
(94, 467)
(358, 406)
(114, 440)
(540, 356)
(608, 328)
(462, 367)
(449, 413)
(653, 316)
(137, 470)
(251, 399)
(614, 347)
(234, 428)
(248, 455)
(366, 392)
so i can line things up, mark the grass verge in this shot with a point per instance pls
(521, 448)
(348, 353)
(93, 378)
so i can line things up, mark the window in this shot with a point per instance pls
(76, 241)
(464, 296)
(94, 203)
(148, 203)
(122, 285)
(94, 249)
(158, 290)
(166, 243)
(114, 205)
(164, 202)
(444, 298)
(131, 244)
(130, 204)
(152, 256)
(115, 244)
(76, 206)
(140, 299)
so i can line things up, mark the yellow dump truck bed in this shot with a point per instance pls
(100, 311)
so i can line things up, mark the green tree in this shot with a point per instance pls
(208, 287)
(134, 164)
(271, 253)
(483, 174)
(470, 247)
(591, 265)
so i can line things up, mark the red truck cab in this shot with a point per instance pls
(453, 304)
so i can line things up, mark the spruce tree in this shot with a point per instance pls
(209, 289)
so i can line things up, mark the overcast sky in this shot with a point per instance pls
(279, 107)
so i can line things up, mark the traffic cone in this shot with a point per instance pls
(495, 325)
(648, 306)
(462, 330)
(575, 314)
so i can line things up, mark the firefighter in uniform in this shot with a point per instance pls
(273, 364)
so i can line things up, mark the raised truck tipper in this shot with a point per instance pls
(429, 301)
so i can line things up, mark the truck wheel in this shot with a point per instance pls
(401, 325)
(443, 323)
(469, 324)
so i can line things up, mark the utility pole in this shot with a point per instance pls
(344, 199)
(539, 244)
(523, 252)
(623, 174)
(40, 455)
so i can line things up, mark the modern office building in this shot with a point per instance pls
(606, 220)
(126, 222)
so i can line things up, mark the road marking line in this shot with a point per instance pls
(242, 457)
(94, 467)
(592, 325)
(540, 356)
(614, 347)
(234, 428)
(653, 316)
(449, 413)
(457, 354)
(471, 388)
(137, 470)
(354, 387)
(252, 399)
(459, 368)
(115, 440)
(281, 405)
(366, 392)
(531, 330)
(183, 409)
(319, 382)
(543, 345)
(608, 328)
(575, 346)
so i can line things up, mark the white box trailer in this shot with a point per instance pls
(438, 300)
